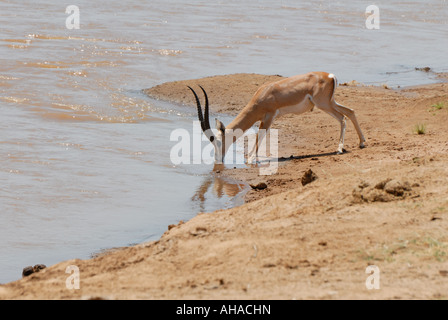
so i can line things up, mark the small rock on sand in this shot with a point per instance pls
(30, 270)
(27, 271)
(259, 186)
(308, 177)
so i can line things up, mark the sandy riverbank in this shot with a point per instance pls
(386, 205)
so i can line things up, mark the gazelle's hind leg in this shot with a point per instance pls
(349, 113)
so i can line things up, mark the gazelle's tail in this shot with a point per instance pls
(335, 82)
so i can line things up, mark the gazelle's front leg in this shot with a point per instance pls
(341, 119)
(341, 138)
(262, 130)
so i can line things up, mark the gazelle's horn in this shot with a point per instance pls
(206, 118)
(198, 103)
(205, 123)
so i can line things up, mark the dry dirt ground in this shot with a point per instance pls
(385, 205)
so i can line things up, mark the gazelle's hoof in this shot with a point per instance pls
(362, 145)
(341, 151)
(252, 160)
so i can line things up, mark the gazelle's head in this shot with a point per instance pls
(218, 139)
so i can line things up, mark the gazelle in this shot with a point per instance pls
(296, 94)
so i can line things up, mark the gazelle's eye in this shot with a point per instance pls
(212, 138)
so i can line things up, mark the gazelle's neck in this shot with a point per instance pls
(244, 120)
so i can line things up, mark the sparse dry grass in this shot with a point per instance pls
(420, 128)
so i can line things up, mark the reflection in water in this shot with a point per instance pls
(222, 188)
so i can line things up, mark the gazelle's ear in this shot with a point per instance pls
(219, 125)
